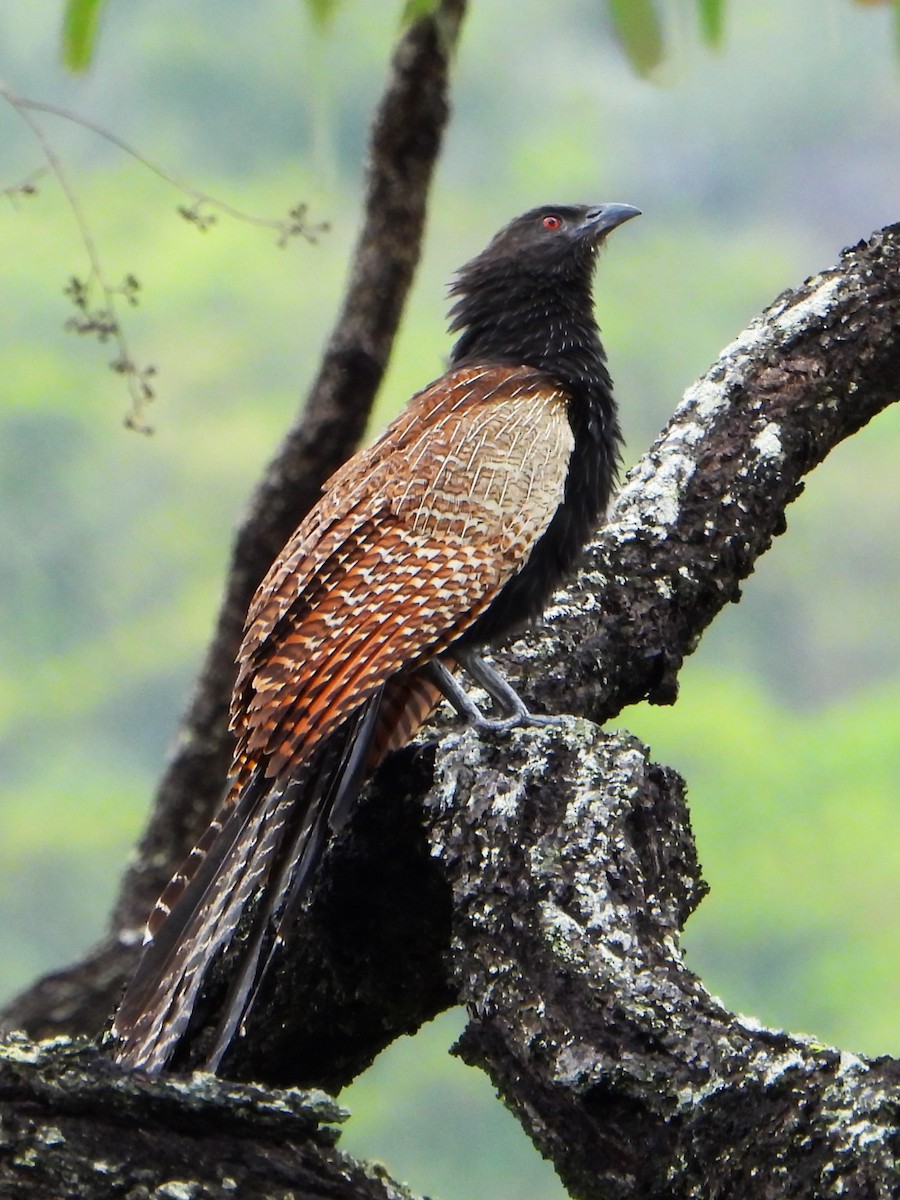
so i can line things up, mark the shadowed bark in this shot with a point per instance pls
(74, 1127)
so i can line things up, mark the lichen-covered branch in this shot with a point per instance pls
(404, 147)
(573, 870)
(75, 1127)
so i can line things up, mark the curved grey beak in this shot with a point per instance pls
(605, 217)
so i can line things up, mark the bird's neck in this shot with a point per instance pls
(532, 321)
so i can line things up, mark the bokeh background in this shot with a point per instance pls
(754, 164)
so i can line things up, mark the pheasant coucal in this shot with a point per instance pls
(452, 528)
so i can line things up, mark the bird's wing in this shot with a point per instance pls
(411, 542)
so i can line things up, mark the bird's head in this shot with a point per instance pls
(552, 238)
(527, 297)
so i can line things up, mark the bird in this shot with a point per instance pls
(449, 531)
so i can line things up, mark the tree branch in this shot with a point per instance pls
(573, 871)
(405, 143)
(709, 497)
(75, 1127)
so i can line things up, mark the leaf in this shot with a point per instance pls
(638, 29)
(322, 11)
(79, 32)
(712, 14)
(414, 9)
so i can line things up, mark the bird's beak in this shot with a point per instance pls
(604, 217)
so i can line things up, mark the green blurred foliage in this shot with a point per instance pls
(711, 14)
(753, 166)
(79, 32)
(639, 26)
(640, 31)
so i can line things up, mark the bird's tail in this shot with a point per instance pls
(257, 857)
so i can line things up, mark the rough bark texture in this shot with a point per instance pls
(573, 870)
(556, 867)
(73, 1127)
(405, 143)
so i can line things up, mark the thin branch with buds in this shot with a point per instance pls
(93, 318)
(96, 298)
(197, 212)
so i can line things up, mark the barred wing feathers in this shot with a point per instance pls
(411, 541)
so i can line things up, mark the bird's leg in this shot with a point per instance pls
(499, 689)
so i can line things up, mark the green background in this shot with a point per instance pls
(754, 165)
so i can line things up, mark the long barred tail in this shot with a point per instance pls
(258, 857)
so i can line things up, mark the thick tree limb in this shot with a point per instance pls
(573, 871)
(708, 498)
(74, 1127)
(405, 143)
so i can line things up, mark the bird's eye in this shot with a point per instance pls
(552, 222)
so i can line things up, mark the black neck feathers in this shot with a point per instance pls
(515, 315)
(527, 301)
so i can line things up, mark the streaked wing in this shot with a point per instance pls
(409, 545)
(412, 540)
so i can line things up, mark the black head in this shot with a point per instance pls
(527, 296)
(553, 238)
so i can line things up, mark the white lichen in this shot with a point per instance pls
(51, 1136)
(767, 442)
(795, 318)
(175, 1189)
(649, 501)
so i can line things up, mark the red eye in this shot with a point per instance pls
(552, 222)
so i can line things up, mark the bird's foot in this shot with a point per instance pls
(517, 720)
(517, 713)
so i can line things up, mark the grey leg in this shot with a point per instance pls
(501, 692)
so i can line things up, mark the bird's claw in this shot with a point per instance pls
(517, 720)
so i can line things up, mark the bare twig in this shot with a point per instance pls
(100, 320)
(197, 213)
